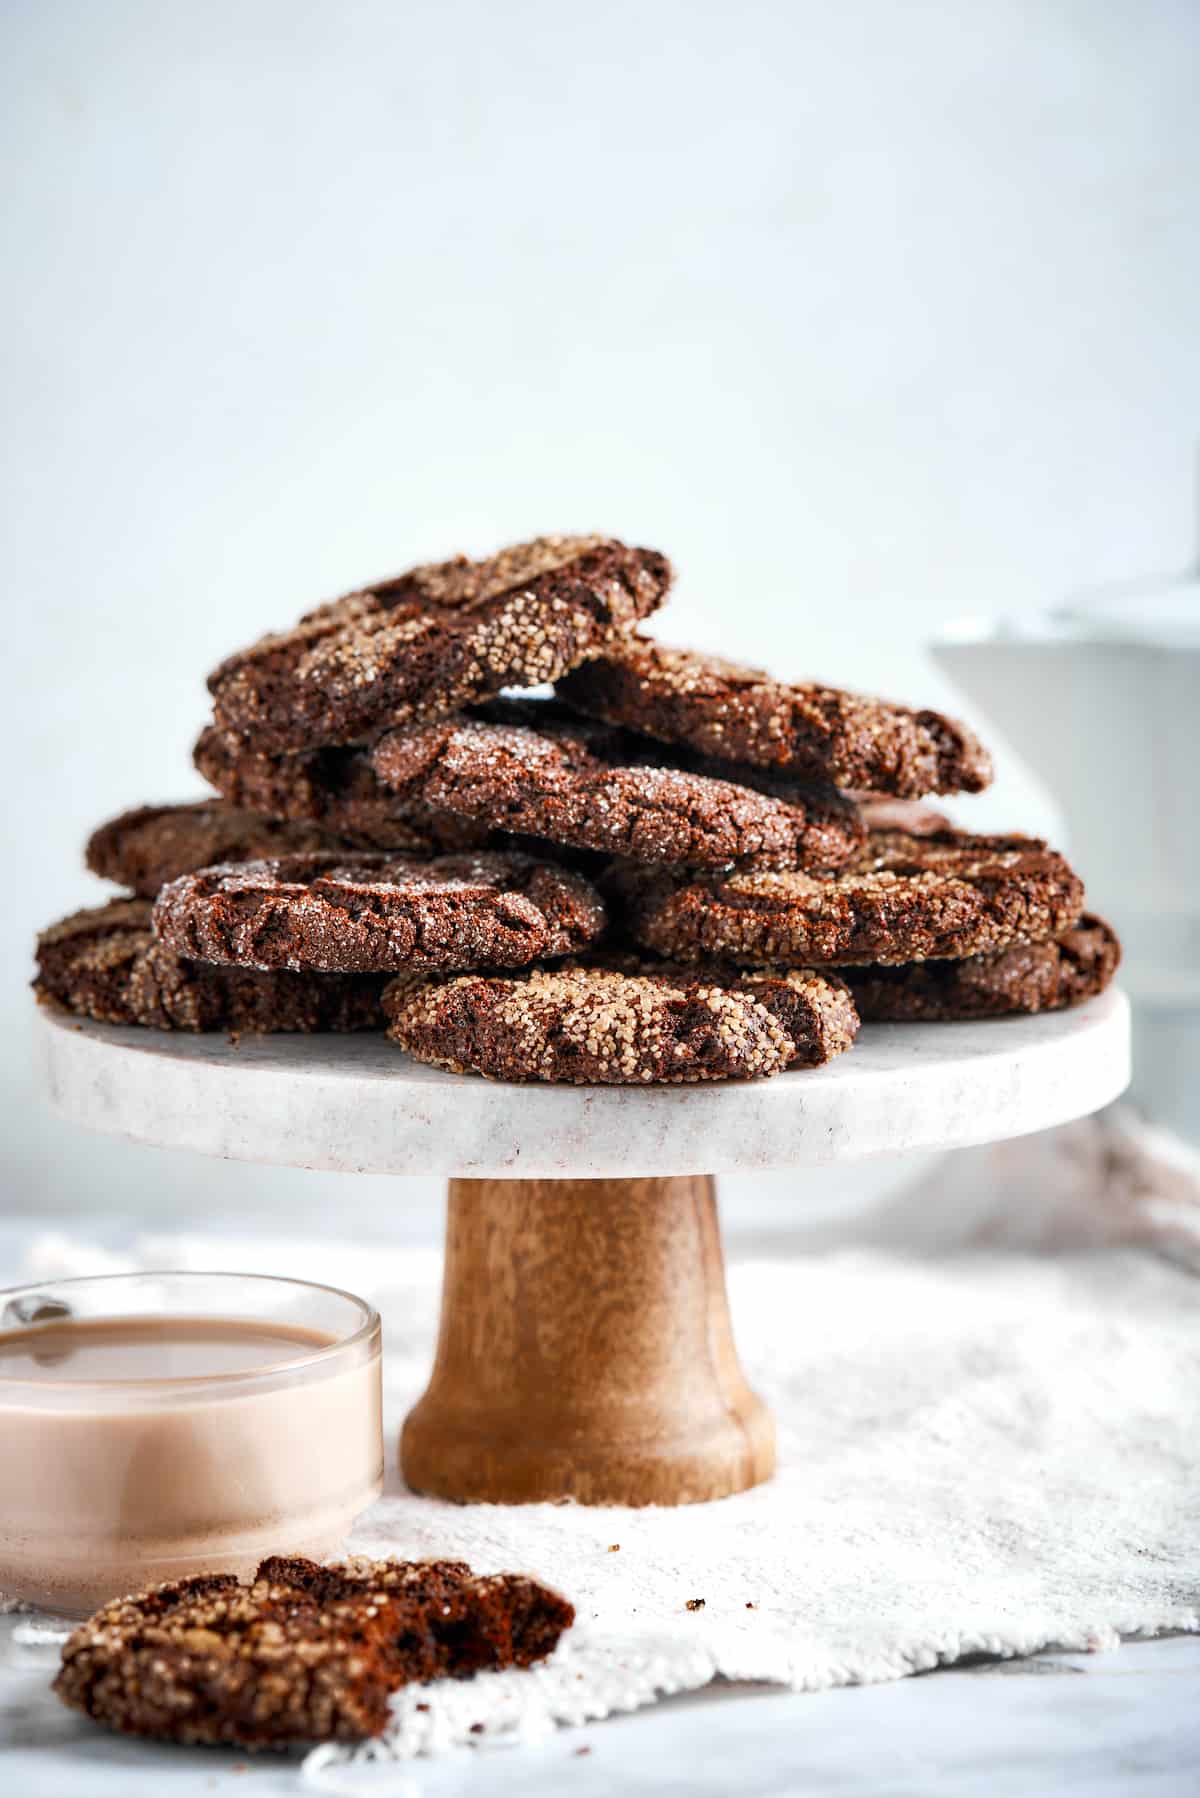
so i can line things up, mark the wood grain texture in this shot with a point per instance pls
(585, 1350)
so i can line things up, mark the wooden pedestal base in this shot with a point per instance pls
(585, 1350)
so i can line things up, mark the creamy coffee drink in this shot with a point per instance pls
(150, 1446)
(163, 1348)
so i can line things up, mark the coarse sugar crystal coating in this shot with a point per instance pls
(905, 898)
(631, 1021)
(304, 1653)
(380, 913)
(144, 848)
(742, 714)
(531, 769)
(105, 963)
(336, 789)
(1029, 978)
(439, 637)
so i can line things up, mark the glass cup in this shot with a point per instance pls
(158, 1426)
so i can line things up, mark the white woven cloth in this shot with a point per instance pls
(989, 1450)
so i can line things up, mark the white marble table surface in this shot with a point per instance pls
(1090, 1726)
(1093, 1726)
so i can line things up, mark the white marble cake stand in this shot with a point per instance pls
(585, 1349)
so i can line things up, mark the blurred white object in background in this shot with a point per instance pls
(1102, 697)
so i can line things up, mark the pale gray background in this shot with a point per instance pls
(870, 315)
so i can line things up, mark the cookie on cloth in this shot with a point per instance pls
(380, 913)
(304, 1653)
(743, 715)
(630, 1022)
(529, 768)
(106, 964)
(144, 848)
(439, 637)
(336, 789)
(1031, 977)
(906, 898)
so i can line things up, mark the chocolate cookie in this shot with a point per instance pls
(1032, 977)
(526, 768)
(379, 913)
(144, 848)
(905, 899)
(743, 715)
(335, 788)
(437, 638)
(625, 1024)
(303, 1654)
(106, 964)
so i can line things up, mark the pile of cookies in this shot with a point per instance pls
(673, 868)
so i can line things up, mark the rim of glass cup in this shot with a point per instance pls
(368, 1330)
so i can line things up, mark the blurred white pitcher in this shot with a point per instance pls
(1102, 698)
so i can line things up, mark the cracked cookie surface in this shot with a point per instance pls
(336, 789)
(629, 1021)
(105, 963)
(380, 913)
(144, 848)
(440, 637)
(530, 769)
(905, 898)
(1029, 978)
(742, 714)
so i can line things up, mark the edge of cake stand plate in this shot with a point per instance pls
(356, 1104)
